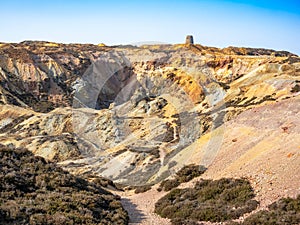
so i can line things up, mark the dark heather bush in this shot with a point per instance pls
(33, 191)
(142, 189)
(184, 175)
(209, 200)
(285, 211)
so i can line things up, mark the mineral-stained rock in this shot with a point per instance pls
(127, 112)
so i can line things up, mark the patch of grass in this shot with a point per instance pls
(215, 201)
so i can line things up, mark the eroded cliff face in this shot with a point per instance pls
(128, 113)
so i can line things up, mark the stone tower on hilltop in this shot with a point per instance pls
(189, 39)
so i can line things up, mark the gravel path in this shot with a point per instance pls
(140, 207)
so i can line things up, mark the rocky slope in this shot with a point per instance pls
(155, 101)
(261, 144)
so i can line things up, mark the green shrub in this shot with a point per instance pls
(209, 200)
(184, 175)
(142, 189)
(285, 211)
(189, 172)
(33, 191)
(168, 185)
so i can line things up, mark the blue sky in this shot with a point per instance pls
(269, 24)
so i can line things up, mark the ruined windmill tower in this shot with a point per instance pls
(189, 39)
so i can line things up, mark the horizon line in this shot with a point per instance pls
(147, 43)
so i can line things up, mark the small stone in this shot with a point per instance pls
(234, 140)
